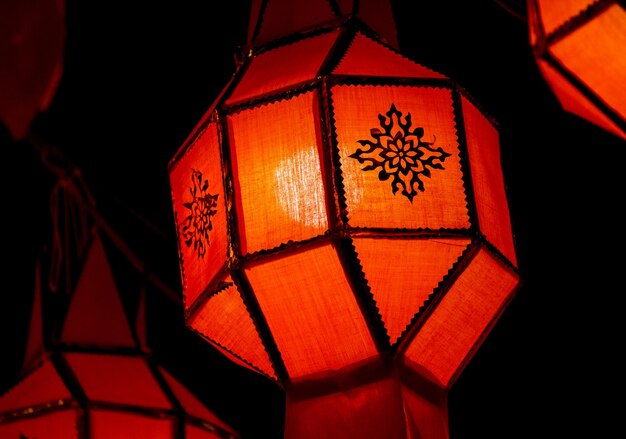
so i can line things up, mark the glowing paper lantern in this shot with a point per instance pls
(342, 221)
(92, 379)
(579, 47)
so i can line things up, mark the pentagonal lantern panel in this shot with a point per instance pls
(399, 155)
(491, 203)
(311, 310)
(412, 270)
(200, 212)
(455, 327)
(106, 424)
(277, 170)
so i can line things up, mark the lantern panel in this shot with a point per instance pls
(574, 101)
(200, 213)
(278, 177)
(595, 54)
(429, 190)
(379, 15)
(96, 296)
(118, 379)
(429, 418)
(225, 321)
(345, 6)
(311, 311)
(461, 318)
(555, 13)
(284, 17)
(412, 270)
(363, 51)
(190, 403)
(108, 424)
(283, 67)
(41, 386)
(193, 432)
(484, 156)
(57, 425)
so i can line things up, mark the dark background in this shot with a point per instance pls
(138, 77)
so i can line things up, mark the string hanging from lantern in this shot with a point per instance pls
(74, 212)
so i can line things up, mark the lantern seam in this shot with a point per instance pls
(203, 424)
(576, 21)
(297, 36)
(497, 254)
(213, 289)
(445, 283)
(334, 6)
(178, 409)
(37, 410)
(433, 300)
(272, 97)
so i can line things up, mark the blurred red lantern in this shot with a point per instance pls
(93, 379)
(342, 222)
(579, 47)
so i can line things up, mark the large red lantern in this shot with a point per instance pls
(93, 379)
(579, 48)
(342, 223)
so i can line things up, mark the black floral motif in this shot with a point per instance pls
(400, 152)
(201, 208)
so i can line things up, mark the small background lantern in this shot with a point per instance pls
(343, 225)
(91, 375)
(579, 46)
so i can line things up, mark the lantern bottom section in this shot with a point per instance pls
(371, 400)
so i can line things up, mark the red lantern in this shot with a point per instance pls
(579, 47)
(94, 380)
(342, 222)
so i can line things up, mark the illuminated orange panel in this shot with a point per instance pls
(58, 425)
(367, 57)
(432, 418)
(555, 13)
(595, 54)
(278, 177)
(41, 386)
(311, 311)
(370, 201)
(200, 213)
(460, 319)
(413, 269)
(283, 17)
(283, 67)
(107, 424)
(483, 146)
(96, 314)
(225, 321)
(574, 101)
(116, 378)
(190, 403)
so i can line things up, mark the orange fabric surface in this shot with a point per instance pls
(370, 201)
(116, 378)
(428, 419)
(108, 425)
(596, 54)
(465, 312)
(278, 177)
(96, 315)
(408, 274)
(367, 57)
(41, 386)
(204, 255)
(282, 67)
(225, 320)
(311, 311)
(574, 101)
(58, 425)
(283, 17)
(190, 403)
(483, 147)
(555, 13)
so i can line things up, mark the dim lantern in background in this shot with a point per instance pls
(579, 47)
(342, 221)
(92, 377)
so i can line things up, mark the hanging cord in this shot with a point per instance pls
(72, 205)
